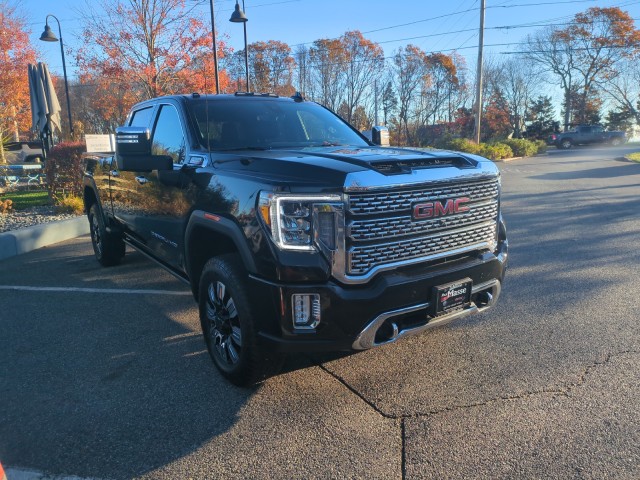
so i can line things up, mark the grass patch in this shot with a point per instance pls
(27, 199)
(634, 156)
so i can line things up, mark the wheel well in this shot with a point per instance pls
(89, 199)
(202, 245)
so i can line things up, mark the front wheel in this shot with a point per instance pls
(228, 324)
(108, 248)
(565, 144)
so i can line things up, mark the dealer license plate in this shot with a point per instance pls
(452, 296)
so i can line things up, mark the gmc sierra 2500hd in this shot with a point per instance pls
(294, 232)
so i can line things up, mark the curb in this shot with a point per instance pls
(27, 239)
(505, 160)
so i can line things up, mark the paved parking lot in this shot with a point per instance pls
(103, 372)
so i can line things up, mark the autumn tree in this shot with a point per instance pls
(327, 61)
(440, 81)
(496, 122)
(583, 111)
(520, 81)
(603, 36)
(138, 49)
(408, 70)
(364, 65)
(624, 88)
(584, 53)
(271, 67)
(16, 53)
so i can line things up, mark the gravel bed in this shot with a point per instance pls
(32, 216)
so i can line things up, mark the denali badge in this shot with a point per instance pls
(435, 209)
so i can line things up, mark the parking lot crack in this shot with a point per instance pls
(358, 394)
(584, 375)
(561, 391)
(554, 392)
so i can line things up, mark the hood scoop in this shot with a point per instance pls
(391, 167)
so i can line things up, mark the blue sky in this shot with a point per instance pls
(433, 25)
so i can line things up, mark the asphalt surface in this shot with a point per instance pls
(97, 382)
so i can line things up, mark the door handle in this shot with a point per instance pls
(141, 180)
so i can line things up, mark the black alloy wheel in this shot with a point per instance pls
(225, 334)
(228, 321)
(108, 248)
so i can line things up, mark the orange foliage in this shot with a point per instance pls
(159, 48)
(270, 67)
(15, 54)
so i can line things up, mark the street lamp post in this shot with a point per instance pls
(49, 36)
(238, 16)
(215, 50)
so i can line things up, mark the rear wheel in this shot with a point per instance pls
(565, 144)
(228, 324)
(108, 248)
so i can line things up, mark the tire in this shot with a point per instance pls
(108, 248)
(228, 324)
(565, 144)
(616, 141)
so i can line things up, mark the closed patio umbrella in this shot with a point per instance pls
(45, 108)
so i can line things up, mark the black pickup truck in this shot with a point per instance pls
(294, 232)
(586, 135)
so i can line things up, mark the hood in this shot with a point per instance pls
(322, 165)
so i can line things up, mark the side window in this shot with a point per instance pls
(141, 118)
(598, 129)
(168, 138)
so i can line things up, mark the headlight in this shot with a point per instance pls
(299, 222)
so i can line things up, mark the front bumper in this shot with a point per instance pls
(391, 306)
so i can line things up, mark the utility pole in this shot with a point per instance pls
(375, 97)
(479, 74)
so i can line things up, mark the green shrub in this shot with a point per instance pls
(63, 169)
(542, 146)
(521, 147)
(634, 157)
(496, 151)
(461, 145)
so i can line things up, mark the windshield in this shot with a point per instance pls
(264, 124)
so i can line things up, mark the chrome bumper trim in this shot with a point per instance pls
(367, 338)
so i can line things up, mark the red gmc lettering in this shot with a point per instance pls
(439, 209)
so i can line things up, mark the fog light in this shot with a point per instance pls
(306, 310)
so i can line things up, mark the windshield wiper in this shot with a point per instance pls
(326, 144)
(236, 149)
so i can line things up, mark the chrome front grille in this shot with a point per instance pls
(401, 226)
(387, 202)
(363, 259)
(382, 233)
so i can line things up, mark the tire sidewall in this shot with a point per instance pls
(225, 269)
(95, 214)
(111, 248)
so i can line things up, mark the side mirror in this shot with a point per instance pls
(380, 136)
(133, 151)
